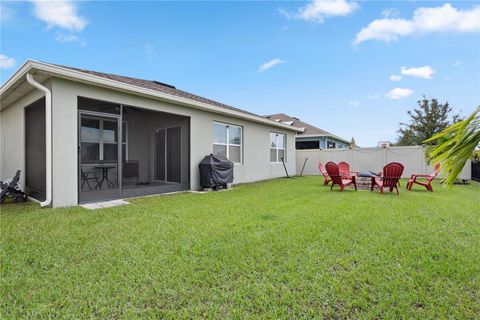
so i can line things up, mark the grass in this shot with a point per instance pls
(275, 249)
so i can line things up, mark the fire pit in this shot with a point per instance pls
(364, 180)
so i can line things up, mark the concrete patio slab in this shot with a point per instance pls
(104, 204)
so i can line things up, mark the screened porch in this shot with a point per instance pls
(127, 151)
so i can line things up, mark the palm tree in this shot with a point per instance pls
(455, 146)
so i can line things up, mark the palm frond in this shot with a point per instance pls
(456, 145)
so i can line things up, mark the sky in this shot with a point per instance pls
(353, 68)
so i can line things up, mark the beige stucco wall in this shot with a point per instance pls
(256, 157)
(12, 135)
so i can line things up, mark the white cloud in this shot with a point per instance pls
(425, 20)
(319, 10)
(390, 13)
(354, 103)
(395, 77)
(70, 38)
(425, 72)
(457, 63)
(373, 96)
(267, 65)
(61, 13)
(66, 38)
(398, 93)
(285, 13)
(6, 62)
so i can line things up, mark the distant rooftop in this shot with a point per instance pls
(310, 130)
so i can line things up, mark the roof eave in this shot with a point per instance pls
(84, 77)
(21, 71)
(323, 135)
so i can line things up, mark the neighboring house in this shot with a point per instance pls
(81, 136)
(311, 137)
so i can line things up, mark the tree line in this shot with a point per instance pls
(450, 139)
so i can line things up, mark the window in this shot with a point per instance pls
(277, 147)
(331, 145)
(99, 140)
(90, 137)
(307, 145)
(227, 141)
(110, 149)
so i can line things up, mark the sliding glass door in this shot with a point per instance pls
(168, 154)
(99, 154)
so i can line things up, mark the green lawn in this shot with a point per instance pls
(276, 249)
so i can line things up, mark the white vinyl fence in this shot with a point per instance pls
(371, 159)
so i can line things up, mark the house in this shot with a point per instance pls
(80, 136)
(311, 137)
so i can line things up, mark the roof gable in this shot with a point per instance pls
(310, 130)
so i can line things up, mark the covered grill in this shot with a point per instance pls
(215, 172)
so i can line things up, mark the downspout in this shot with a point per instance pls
(48, 137)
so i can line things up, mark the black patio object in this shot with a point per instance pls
(476, 170)
(90, 176)
(215, 172)
(130, 170)
(12, 190)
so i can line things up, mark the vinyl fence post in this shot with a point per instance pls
(424, 159)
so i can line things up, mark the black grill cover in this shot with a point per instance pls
(215, 172)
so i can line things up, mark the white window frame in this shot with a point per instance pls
(228, 144)
(126, 139)
(101, 142)
(278, 160)
(335, 144)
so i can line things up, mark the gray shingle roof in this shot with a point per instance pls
(158, 86)
(309, 129)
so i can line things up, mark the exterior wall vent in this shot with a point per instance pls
(163, 84)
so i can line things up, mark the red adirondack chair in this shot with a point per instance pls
(337, 178)
(327, 179)
(344, 168)
(429, 177)
(392, 172)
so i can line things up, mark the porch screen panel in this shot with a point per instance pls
(174, 154)
(160, 156)
(35, 163)
(90, 140)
